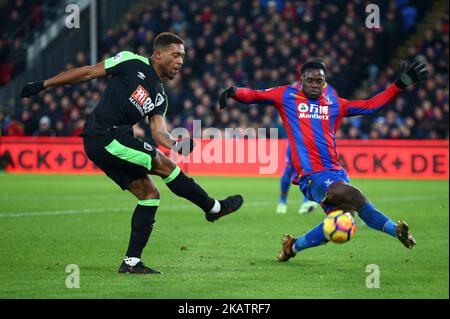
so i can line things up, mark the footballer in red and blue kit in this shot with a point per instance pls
(311, 124)
(311, 113)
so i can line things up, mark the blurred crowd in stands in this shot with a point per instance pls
(261, 44)
(19, 20)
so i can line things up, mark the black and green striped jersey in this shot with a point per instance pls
(134, 91)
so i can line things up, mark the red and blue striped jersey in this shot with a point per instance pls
(311, 124)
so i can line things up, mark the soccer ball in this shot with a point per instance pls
(339, 226)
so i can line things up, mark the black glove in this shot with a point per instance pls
(32, 88)
(184, 146)
(416, 72)
(231, 91)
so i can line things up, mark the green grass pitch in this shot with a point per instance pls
(50, 221)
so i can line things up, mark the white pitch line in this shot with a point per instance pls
(187, 206)
(41, 198)
(61, 212)
(57, 197)
(99, 210)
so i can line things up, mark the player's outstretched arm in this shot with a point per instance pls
(415, 73)
(72, 76)
(248, 96)
(162, 137)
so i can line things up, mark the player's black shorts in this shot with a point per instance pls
(123, 157)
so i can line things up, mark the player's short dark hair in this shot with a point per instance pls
(166, 38)
(314, 64)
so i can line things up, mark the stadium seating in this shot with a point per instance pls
(262, 47)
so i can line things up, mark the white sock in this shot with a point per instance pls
(216, 207)
(131, 261)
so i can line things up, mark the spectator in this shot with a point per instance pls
(15, 128)
(44, 127)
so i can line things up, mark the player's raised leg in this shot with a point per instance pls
(350, 198)
(184, 186)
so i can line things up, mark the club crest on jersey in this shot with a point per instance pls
(142, 100)
(159, 99)
(313, 111)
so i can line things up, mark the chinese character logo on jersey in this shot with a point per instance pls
(313, 111)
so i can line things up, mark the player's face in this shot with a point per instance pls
(172, 58)
(312, 83)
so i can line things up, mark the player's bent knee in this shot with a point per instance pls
(149, 191)
(356, 197)
(345, 196)
(144, 188)
(151, 194)
(162, 165)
